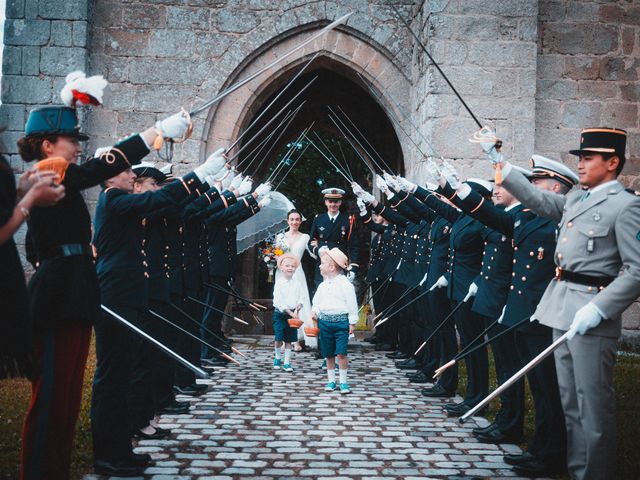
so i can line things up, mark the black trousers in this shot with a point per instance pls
(162, 366)
(510, 417)
(549, 441)
(382, 300)
(405, 318)
(110, 427)
(444, 344)
(470, 325)
(212, 319)
(141, 399)
(187, 347)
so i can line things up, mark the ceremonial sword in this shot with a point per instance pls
(234, 87)
(199, 372)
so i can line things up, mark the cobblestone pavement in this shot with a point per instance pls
(258, 423)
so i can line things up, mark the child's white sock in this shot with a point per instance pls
(343, 375)
(331, 373)
(277, 352)
(287, 356)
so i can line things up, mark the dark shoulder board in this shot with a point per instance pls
(633, 192)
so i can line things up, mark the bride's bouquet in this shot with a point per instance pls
(271, 249)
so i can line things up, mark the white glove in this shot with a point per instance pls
(264, 202)
(433, 172)
(473, 289)
(501, 317)
(351, 276)
(212, 166)
(407, 185)
(394, 183)
(227, 180)
(99, 151)
(586, 318)
(487, 139)
(362, 207)
(442, 282)
(367, 197)
(381, 184)
(263, 189)
(357, 189)
(245, 186)
(235, 183)
(450, 174)
(174, 126)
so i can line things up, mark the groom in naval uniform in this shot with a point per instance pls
(334, 229)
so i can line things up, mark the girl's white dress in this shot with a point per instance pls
(298, 248)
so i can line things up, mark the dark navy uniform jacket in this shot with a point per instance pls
(340, 233)
(533, 245)
(378, 248)
(122, 266)
(466, 246)
(437, 250)
(497, 260)
(66, 288)
(221, 235)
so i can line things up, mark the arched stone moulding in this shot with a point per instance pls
(340, 50)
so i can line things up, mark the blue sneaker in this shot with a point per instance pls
(276, 363)
(287, 368)
(331, 386)
(345, 388)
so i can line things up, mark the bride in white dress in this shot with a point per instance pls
(296, 242)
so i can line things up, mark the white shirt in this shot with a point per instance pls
(287, 294)
(334, 296)
(512, 206)
(602, 186)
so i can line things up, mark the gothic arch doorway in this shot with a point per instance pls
(348, 69)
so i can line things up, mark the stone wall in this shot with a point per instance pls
(588, 75)
(537, 71)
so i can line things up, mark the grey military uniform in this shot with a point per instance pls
(599, 236)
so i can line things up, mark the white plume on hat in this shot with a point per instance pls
(82, 89)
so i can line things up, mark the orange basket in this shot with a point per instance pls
(53, 164)
(311, 331)
(295, 322)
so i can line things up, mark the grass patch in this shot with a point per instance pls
(15, 394)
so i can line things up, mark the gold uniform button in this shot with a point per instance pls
(524, 279)
(512, 287)
(570, 224)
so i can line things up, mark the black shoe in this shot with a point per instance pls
(537, 468)
(175, 408)
(140, 459)
(479, 430)
(518, 459)
(189, 390)
(420, 378)
(214, 362)
(203, 387)
(384, 347)
(118, 468)
(372, 339)
(398, 355)
(496, 436)
(437, 391)
(408, 364)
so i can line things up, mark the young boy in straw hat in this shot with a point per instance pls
(287, 301)
(335, 308)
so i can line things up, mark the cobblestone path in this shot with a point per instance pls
(257, 423)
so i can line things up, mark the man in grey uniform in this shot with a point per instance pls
(597, 278)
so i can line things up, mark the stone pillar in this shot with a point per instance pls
(488, 51)
(588, 77)
(43, 42)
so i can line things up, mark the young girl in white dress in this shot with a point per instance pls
(295, 242)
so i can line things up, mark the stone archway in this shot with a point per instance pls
(341, 50)
(344, 60)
